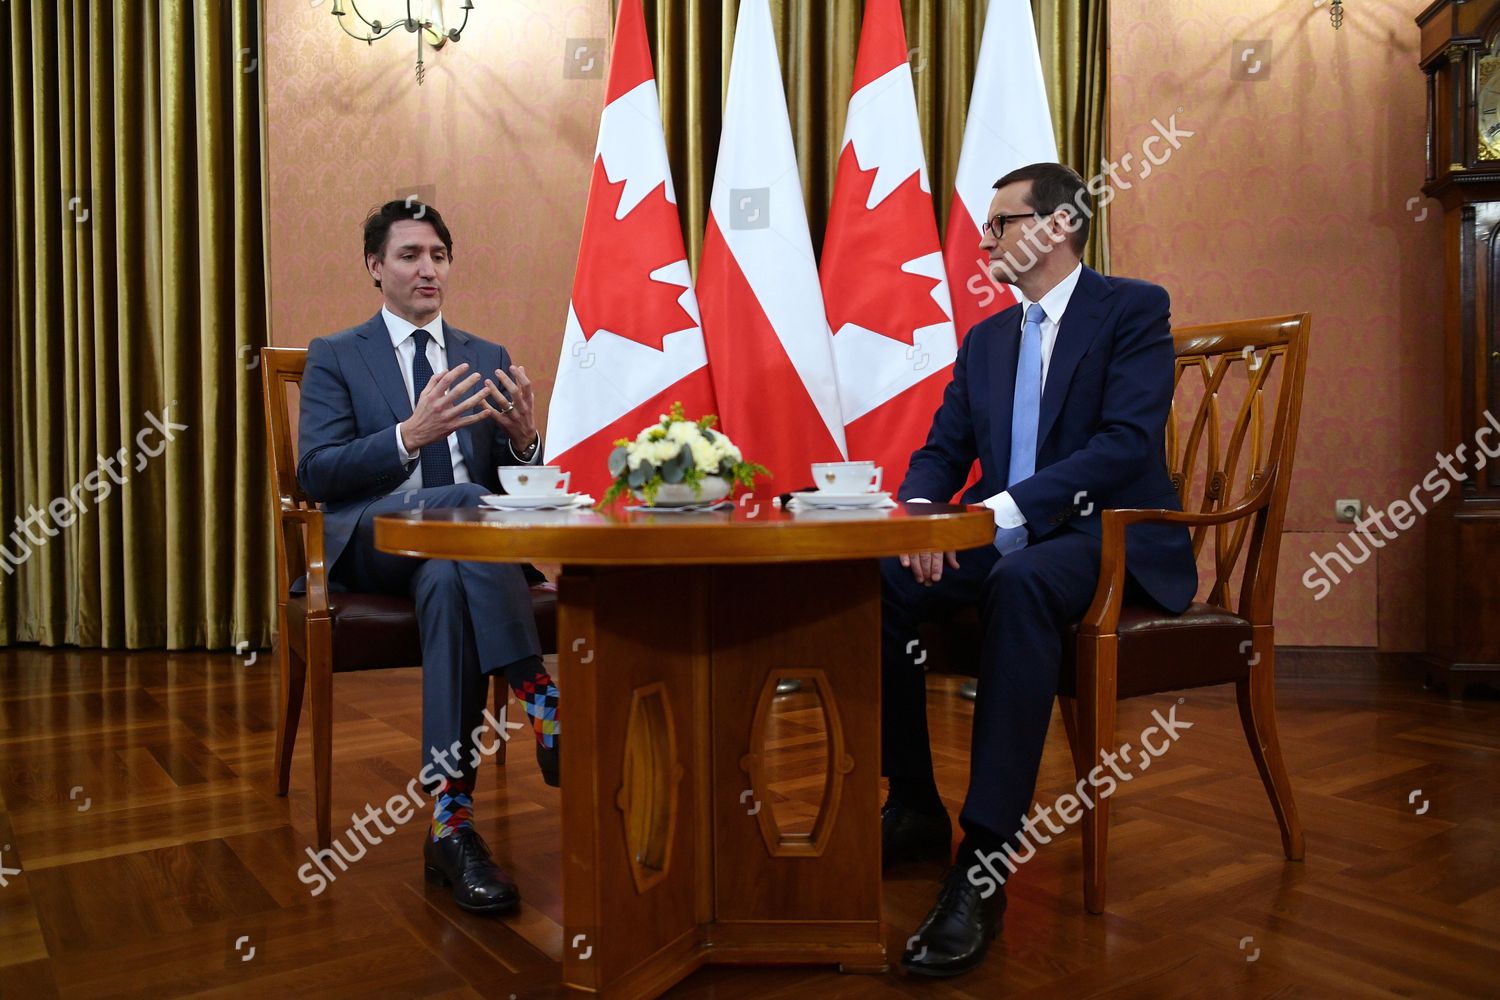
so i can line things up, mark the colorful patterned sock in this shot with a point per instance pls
(534, 690)
(454, 807)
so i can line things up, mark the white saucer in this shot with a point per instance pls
(507, 501)
(823, 498)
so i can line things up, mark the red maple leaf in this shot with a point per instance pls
(864, 250)
(613, 289)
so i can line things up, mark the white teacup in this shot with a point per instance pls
(534, 480)
(846, 477)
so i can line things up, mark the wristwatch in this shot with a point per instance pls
(525, 453)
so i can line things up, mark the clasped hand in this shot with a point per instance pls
(445, 405)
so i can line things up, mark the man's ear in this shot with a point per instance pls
(373, 265)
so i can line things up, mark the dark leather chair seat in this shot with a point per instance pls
(1154, 648)
(377, 631)
(1160, 651)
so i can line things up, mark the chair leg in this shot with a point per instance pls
(1096, 727)
(1068, 707)
(293, 671)
(1257, 698)
(320, 667)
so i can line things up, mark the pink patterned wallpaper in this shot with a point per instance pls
(503, 129)
(1293, 195)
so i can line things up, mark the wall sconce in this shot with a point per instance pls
(428, 24)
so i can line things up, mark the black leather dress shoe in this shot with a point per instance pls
(908, 835)
(462, 860)
(958, 931)
(548, 759)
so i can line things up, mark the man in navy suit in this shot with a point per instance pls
(394, 417)
(1063, 400)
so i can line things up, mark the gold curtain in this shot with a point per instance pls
(817, 40)
(137, 298)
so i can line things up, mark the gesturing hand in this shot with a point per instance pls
(442, 409)
(513, 409)
(927, 567)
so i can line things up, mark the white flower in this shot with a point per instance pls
(726, 450)
(661, 443)
(705, 456)
(663, 452)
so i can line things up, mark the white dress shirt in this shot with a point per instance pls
(1054, 304)
(405, 346)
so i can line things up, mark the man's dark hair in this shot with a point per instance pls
(378, 225)
(1055, 186)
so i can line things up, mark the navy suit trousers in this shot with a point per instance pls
(475, 619)
(1027, 604)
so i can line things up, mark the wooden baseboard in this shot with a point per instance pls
(1352, 662)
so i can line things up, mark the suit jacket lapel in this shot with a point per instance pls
(1079, 327)
(375, 345)
(1004, 354)
(457, 345)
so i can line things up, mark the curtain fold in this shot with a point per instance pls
(1073, 36)
(818, 41)
(132, 491)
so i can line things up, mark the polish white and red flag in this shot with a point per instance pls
(1008, 126)
(767, 334)
(633, 344)
(883, 279)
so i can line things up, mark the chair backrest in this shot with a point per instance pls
(1231, 439)
(282, 367)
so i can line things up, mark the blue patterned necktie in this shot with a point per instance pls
(437, 462)
(1025, 415)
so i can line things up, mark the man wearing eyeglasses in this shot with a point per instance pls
(1063, 400)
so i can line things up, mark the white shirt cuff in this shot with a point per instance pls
(1007, 514)
(406, 456)
(536, 454)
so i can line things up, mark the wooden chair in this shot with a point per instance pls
(322, 632)
(1230, 444)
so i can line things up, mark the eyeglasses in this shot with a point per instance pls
(996, 226)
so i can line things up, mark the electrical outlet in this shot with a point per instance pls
(1347, 511)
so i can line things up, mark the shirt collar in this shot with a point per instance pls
(1055, 302)
(400, 329)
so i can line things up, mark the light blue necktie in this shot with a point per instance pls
(1024, 418)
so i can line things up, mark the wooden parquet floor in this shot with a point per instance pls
(144, 853)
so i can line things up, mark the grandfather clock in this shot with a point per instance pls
(1461, 58)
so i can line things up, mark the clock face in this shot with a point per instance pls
(1487, 104)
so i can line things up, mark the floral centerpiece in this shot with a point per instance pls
(676, 462)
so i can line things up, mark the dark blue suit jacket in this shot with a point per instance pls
(353, 396)
(1101, 433)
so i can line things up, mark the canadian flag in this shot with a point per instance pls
(1008, 126)
(883, 280)
(634, 341)
(763, 317)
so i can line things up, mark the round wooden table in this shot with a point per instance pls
(674, 630)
